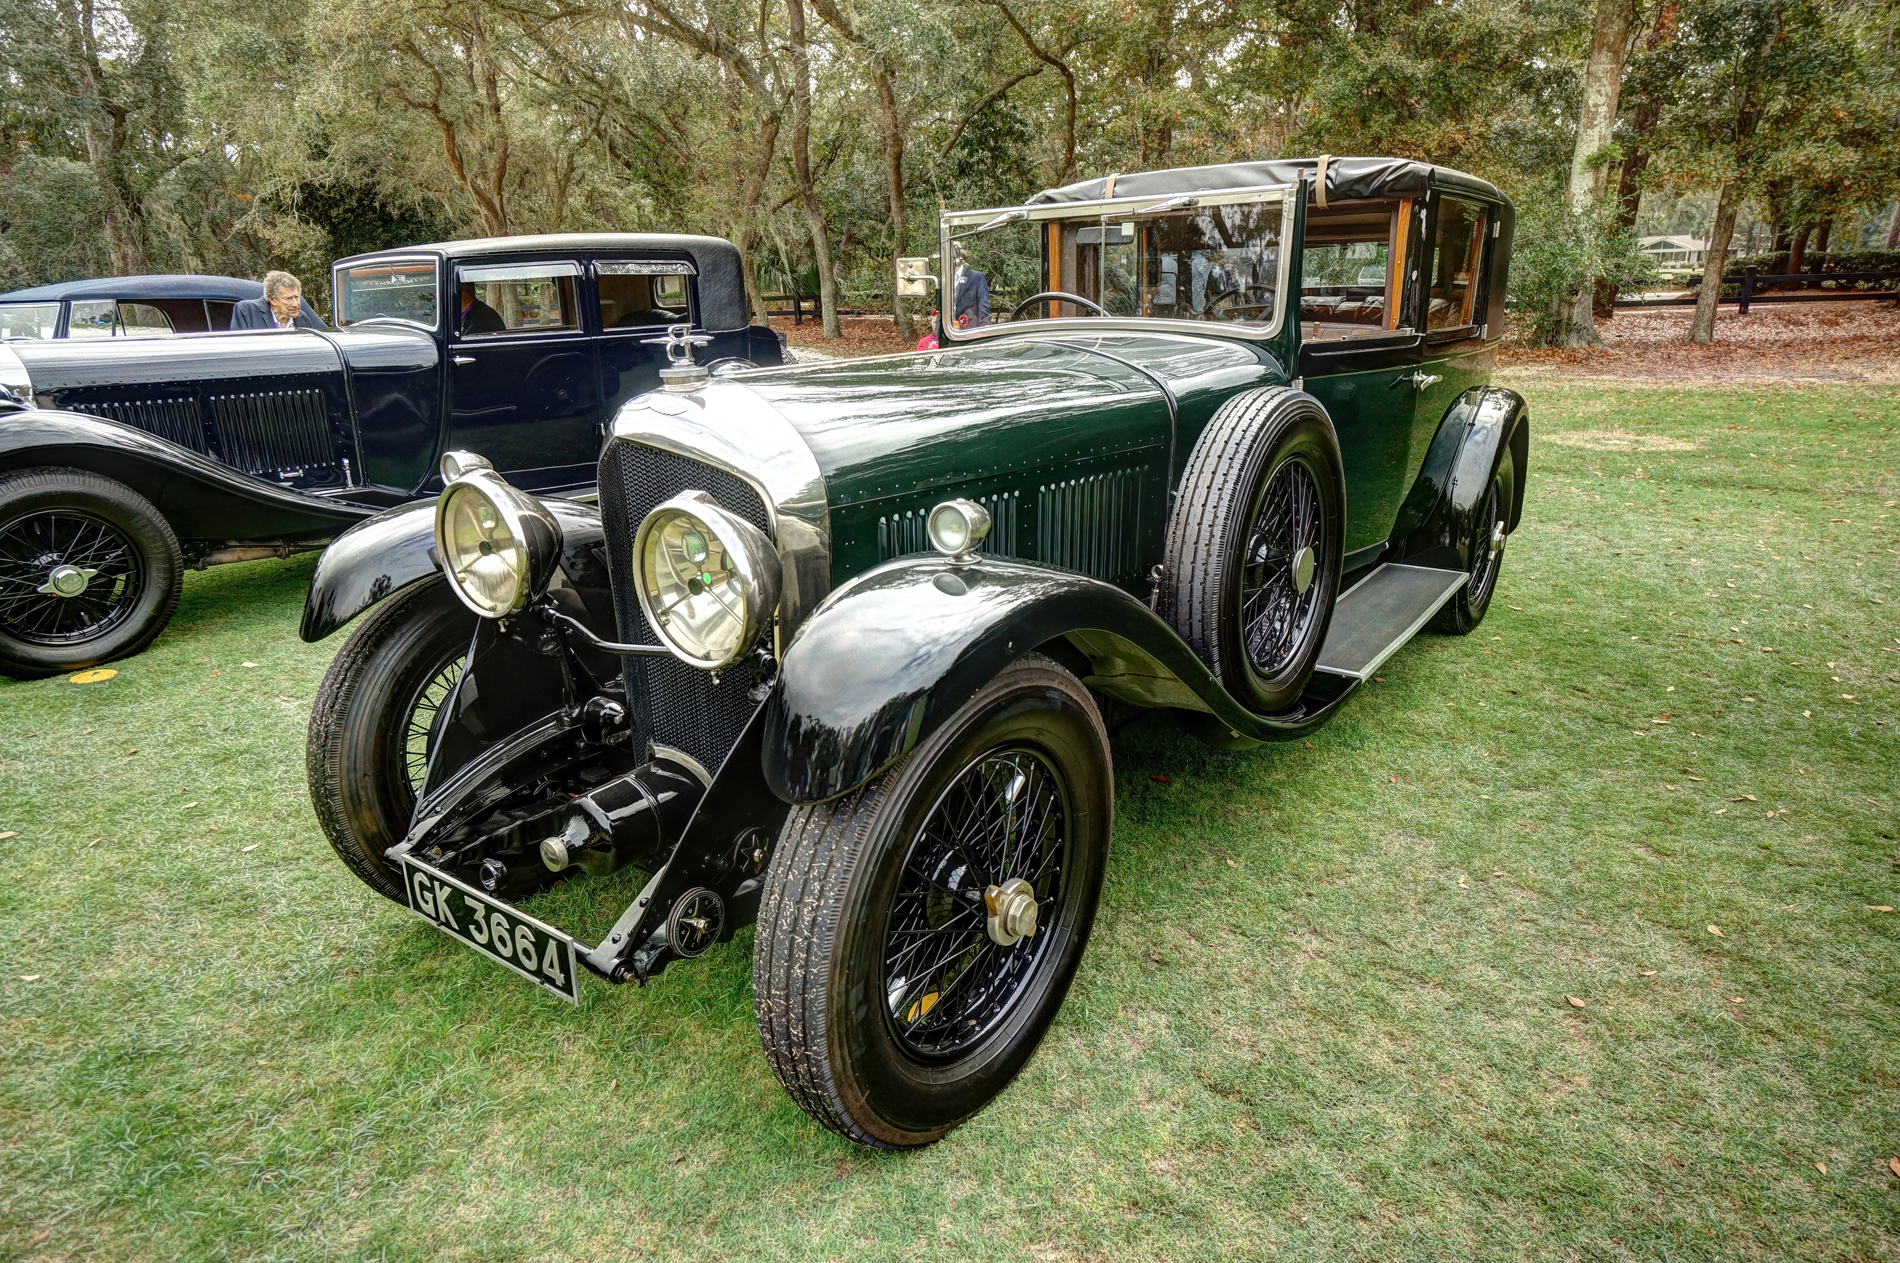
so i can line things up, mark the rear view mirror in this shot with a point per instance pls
(914, 279)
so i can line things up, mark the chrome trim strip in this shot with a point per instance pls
(657, 751)
(14, 376)
(724, 423)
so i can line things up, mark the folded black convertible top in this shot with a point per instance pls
(1346, 178)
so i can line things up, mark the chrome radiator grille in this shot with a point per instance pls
(673, 704)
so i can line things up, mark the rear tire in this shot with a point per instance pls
(1461, 615)
(887, 1009)
(89, 572)
(1254, 545)
(373, 725)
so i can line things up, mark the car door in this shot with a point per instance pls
(635, 298)
(522, 388)
(1360, 347)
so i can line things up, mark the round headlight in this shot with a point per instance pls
(497, 545)
(456, 463)
(708, 581)
(956, 527)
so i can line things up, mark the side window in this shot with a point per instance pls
(1457, 253)
(218, 314)
(142, 320)
(93, 319)
(1348, 271)
(636, 294)
(517, 298)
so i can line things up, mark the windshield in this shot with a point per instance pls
(1204, 257)
(28, 320)
(399, 290)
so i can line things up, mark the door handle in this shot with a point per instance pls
(464, 359)
(1419, 379)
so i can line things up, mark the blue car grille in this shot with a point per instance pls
(673, 704)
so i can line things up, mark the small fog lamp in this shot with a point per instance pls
(454, 464)
(957, 527)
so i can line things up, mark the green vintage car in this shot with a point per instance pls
(841, 647)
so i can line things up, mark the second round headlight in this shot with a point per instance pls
(707, 580)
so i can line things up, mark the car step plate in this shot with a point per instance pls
(535, 950)
(1380, 613)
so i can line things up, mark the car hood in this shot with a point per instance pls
(65, 363)
(895, 425)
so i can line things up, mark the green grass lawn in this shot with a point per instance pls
(1326, 1013)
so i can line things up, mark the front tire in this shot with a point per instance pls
(89, 572)
(889, 1007)
(374, 722)
(1254, 545)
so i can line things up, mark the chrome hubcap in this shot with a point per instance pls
(1497, 538)
(1304, 563)
(66, 581)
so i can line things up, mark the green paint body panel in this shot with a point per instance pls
(1068, 441)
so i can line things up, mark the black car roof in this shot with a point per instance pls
(1346, 178)
(722, 300)
(229, 288)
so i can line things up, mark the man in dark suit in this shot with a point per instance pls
(281, 307)
(970, 300)
(478, 316)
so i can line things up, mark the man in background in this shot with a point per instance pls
(281, 307)
(970, 295)
(478, 316)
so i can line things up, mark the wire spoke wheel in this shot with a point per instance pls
(66, 577)
(1489, 550)
(947, 981)
(1279, 600)
(419, 726)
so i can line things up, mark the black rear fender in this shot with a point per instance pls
(387, 553)
(888, 657)
(1433, 527)
(199, 498)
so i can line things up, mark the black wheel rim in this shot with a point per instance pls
(39, 548)
(1484, 568)
(420, 718)
(947, 983)
(1276, 615)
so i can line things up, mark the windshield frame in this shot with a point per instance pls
(393, 261)
(950, 222)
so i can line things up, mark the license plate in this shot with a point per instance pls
(537, 951)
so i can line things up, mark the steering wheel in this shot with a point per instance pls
(1266, 291)
(1056, 296)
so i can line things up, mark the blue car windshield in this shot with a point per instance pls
(399, 290)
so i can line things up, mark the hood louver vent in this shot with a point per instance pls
(175, 420)
(276, 431)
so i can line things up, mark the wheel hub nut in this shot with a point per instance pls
(66, 581)
(1497, 539)
(1012, 907)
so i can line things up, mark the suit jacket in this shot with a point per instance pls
(972, 299)
(481, 318)
(255, 313)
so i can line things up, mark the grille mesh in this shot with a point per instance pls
(673, 704)
(173, 419)
(274, 430)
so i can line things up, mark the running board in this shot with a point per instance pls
(1377, 615)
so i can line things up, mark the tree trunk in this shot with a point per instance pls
(1703, 329)
(1823, 234)
(1798, 249)
(801, 165)
(1893, 227)
(1596, 121)
(893, 183)
(1643, 120)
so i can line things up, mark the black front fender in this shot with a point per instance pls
(380, 557)
(888, 657)
(199, 497)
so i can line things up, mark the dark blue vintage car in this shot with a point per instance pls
(124, 306)
(124, 460)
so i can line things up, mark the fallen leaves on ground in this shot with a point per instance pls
(1845, 341)
(1574, 1002)
(1717, 931)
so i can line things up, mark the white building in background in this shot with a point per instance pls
(1675, 252)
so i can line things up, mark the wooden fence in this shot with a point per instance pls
(1750, 294)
